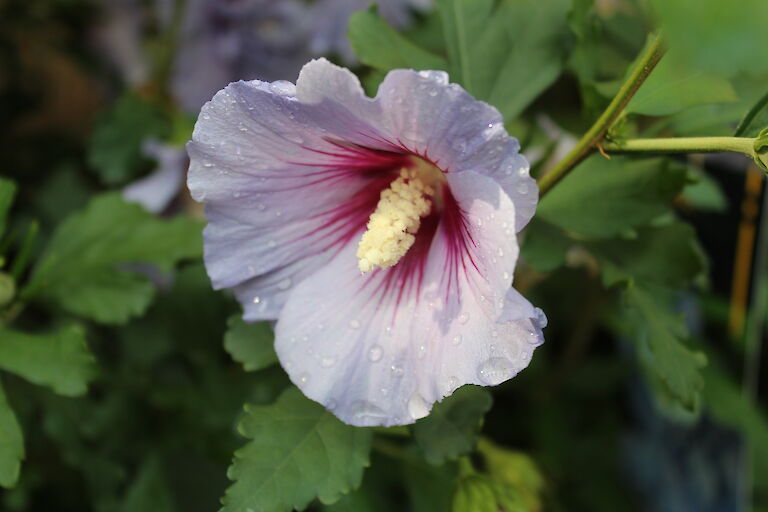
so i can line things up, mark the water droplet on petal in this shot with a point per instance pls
(456, 340)
(256, 300)
(506, 276)
(397, 371)
(354, 324)
(303, 379)
(261, 207)
(453, 383)
(500, 252)
(463, 318)
(432, 92)
(282, 87)
(422, 351)
(375, 353)
(522, 187)
(417, 406)
(327, 362)
(495, 371)
(285, 283)
(362, 409)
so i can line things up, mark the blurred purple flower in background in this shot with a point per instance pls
(226, 40)
(420, 187)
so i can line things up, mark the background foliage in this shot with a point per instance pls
(127, 384)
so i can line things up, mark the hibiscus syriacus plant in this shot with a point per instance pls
(380, 234)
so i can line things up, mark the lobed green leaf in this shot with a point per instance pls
(298, 452)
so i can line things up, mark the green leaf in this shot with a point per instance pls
(298, 451)
(505, 53)
(620, 193)
(727, 402)
(115, 148)
(668, 255)
(475, 493)
(378, 45)
(514, 470)
(658, 334)
(86, 267)
(723, 38)
(59, 360)
(755, 120)
(11, 444)
(452, 428)
(544, 246)
(250, 344)
(673, 87)
(7, 192)
(149, 491)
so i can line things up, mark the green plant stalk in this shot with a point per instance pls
(743, 145)
(643, 67)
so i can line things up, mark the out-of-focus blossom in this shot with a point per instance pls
(421, 188)
(156, 191)
(331, 17)
(118, 37)
(227, 40)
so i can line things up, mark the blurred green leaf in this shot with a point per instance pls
(250, 344)
(721, 37)
(115, 148)
(86, 268)
(673, 87)
(298, 451)
(11, 443)
(474, 493)
(380, 46)
(668, 255)
(505, 53)
(59, 360)
(755, 120)
(658, 334)
(544, 246)
(7, 191)
(603, 198)
(726, 401)
(148, 491)
(514, 470)
(451, 429)
(704, 193)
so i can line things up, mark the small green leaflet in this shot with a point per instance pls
(59, 360)
(621, 193)
(89, 267)
(11, 443)
(298, 452)
(452, 428)
(250, 344)
(658, 334)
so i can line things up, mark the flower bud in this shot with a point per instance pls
(761, 149)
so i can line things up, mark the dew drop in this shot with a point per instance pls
(327, 362)
(354, 324)
(463, 318)
(506, 276)
(422, 351)
(261, 207)
(384, 391)
(500, 252)
(453, 383)
(375, 353)
(417, 406)
(256, 300)
(432, 92)
(303, 379)
(282, 87)
(397, 371)
(456, 341)
(495, 371)
(285, 283)
(362, 410)
(522, 187)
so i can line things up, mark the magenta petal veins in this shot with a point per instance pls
(305, 186)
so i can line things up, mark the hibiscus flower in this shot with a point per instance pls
(380, 233)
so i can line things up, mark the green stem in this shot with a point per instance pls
(643, 67)
(743, 145)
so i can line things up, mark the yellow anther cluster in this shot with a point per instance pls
(395, 221)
